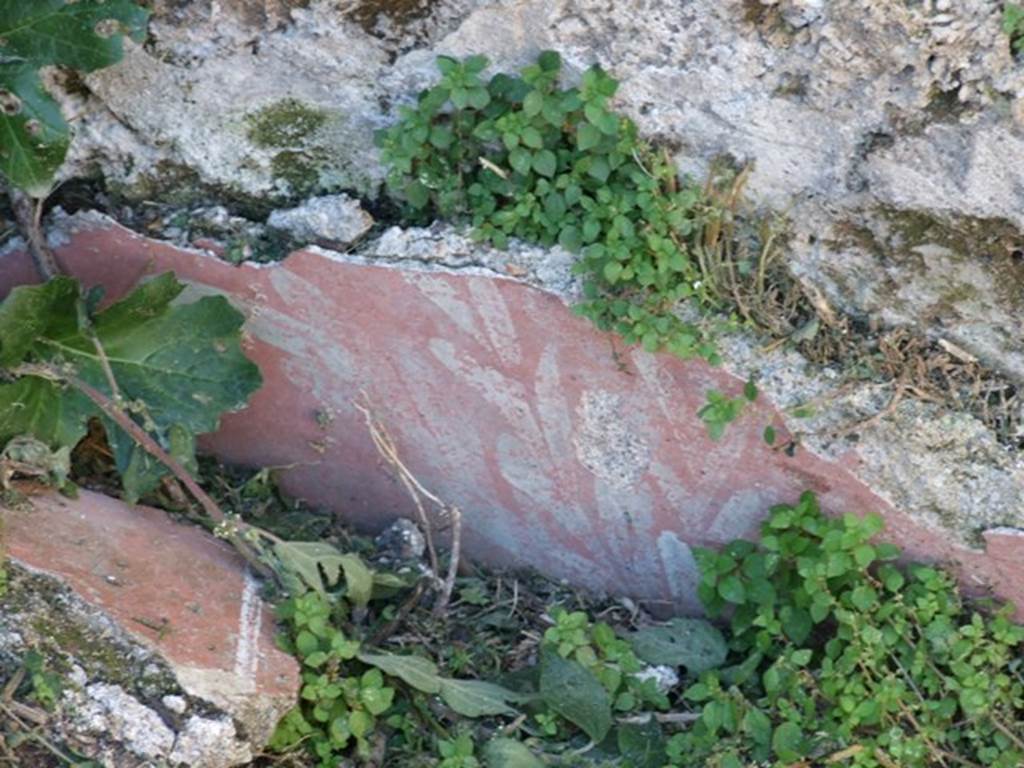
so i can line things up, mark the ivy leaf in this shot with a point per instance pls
(420, 673)
(85, 35)
(508, 753)
(358, 579)
(476, 698)
(182, 361)
(692, 643)
(572, 692)
(316, 563)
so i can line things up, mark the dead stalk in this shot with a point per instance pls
(385, 446)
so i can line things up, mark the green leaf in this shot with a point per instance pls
(731, 588)
(788, 742)
(796, 623)
(769, 435)
(531, 137)
(182, 360)
(377, 700)
(533, 103)
(359, 723)
(85, 35)
(545, 163)
(520, 160)
(418, 672)
(306, 643)
(144, 472)
(316, 563)
(758, 725)
(612, 271)
(864, 555)
(358, 579)
(692, 643)
(572, 692)
(417, 194)
(476, 698)
(587, 137)
(641, 745)
(33, 311)
(750, 390)
(441, 136)
(599, 169)
(569, 238)
(508, 753)
(550, 61)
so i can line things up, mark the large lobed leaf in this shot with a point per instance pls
(182, 362)
(692, 643)
(81, 34)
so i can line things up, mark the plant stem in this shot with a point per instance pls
(153, 448)
(28, 213)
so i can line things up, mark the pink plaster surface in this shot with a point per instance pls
(175, 588)
(506, 404)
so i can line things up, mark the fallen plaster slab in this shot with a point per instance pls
(563, 452)
(171, 648)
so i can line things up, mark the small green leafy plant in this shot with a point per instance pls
(1013, 26)
(45, 686)
(458, 752)
(347, 689)
(609, 658)
(838, 654)
(519, 156)
(84, 35)
(721, 411)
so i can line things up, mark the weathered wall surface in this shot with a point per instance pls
(564, 453)
(889, 133)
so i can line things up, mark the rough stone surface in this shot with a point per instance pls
(541, 430)
(158, 627)
(846, 110)
(334, 220)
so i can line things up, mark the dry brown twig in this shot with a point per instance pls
(385, 446)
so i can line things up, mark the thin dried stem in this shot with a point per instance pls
(386, 447)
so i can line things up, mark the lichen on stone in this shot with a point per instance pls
(284, 123)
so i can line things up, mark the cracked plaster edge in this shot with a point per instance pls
(78, 695)
(785, 376)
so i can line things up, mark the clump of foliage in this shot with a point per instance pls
(833, 654)
(519, 156)
(722, 410)
(839, 654)
(84, 35)
(175, 368)
(348, 688)
(1013, 26)
(607, 657)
